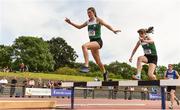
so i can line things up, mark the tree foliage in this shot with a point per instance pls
(5, 56)
(160, 71)
(34, 52)
(42, 56)
(121, 69)
(63, 54)
(177, 67)
(93, 66)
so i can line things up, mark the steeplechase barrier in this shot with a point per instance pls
(161, 83)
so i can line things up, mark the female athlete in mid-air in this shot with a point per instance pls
(94, 24)
(150, 54)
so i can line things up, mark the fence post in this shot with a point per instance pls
(163, 99)
(85, 93)
(93, 93)
(72, 98)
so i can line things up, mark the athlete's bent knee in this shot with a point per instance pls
(139, 59)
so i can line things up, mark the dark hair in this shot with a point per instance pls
(170, 65)
(149, 30)
(93, 10)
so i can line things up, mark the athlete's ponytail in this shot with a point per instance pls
(149, 30)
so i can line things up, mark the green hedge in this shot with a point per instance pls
(73, 71)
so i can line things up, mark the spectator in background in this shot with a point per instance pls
(115, 92)
(59, 83)
(25, 83)
(4, 80)
(51, 84)
(26, 68)
(125, 92)
(56, 85)
(44, 84)
(21, 67)
(13, 86)
(3, 83)
(131, 90)
(144, 93)
(31, 83)
(39, 83)
(6, 69)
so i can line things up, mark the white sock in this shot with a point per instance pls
(171, 104)
(138, 74)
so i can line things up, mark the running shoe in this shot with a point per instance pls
(136, 77)
(177, 100)
(84, 69)
(105, 76)
(170, 107)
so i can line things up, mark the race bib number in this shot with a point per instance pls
(147, 51)
(170, 77)
(92, 33)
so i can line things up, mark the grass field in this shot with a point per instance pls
(47, 76)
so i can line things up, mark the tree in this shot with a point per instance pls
(160, 71)
(122, 69)
(34, 52)
(5, 56)
(177, 67)
(63, 54)
(93, 66)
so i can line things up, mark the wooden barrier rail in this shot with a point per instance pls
(161, 83)
(26, 104)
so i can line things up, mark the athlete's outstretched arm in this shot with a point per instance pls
(75, 25)
(108, 26)
(134, 51)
